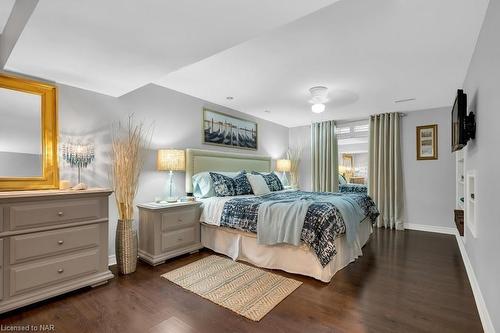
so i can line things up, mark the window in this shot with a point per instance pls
(361, 128)
(353, 151)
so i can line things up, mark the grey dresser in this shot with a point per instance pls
(51, 242)
(169, 230)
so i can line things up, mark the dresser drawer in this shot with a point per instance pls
(179, 238)
(178, 219)
(40, 244)
(30, 215)
(37, 275)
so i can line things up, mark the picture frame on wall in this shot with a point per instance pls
(427, 142)
(221, 129)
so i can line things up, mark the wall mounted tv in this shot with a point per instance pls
(463, 126)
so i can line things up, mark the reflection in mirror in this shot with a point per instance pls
(20, 134)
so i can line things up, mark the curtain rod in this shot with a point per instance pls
(401, 114)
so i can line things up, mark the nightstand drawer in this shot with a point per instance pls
(37, 275)
(168, 230)
(31, 215)
(178, 219)
(40, 244)
(179, 238)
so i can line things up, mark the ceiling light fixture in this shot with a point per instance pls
(318, 98)
(229, 98)
(318, 108)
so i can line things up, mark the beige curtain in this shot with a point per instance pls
(324, 156)
(385, 183)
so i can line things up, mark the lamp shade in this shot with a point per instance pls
(283, 165)
(171, 160)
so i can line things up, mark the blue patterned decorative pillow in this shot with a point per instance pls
(226, 186)
(242, 184)
(272, 181)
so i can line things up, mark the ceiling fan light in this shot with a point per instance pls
(318, 108)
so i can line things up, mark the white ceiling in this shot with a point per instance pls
(5, 9)
(369, 53)
(266, 54)
(116, 46)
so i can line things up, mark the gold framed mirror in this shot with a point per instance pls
(28, 135)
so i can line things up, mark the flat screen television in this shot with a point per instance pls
(460, 129)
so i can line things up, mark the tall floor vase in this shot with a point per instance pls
(126, 246)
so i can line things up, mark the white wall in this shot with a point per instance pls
(482, 154)
(177, 124)
(429, 186)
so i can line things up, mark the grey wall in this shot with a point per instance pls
(20, 164)
(429, 186)
(481, 85)
(177, 124)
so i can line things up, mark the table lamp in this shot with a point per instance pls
(283, 166)
(78, 155)
(171, 160)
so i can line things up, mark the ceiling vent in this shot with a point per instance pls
(404, 100)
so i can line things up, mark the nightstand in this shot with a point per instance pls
(168, 230)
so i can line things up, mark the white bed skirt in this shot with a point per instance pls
(293, 259)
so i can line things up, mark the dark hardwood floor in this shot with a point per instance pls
(406, 281)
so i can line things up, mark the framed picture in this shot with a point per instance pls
(224, 130)
(427, 142)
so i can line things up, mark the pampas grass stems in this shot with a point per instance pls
(294, 154)
(127, 153)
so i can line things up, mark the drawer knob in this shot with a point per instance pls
(61, 242)
(60, 213)
(60, 270)
(179, 239)
(179, 220)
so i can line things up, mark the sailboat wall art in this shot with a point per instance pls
(224, 130)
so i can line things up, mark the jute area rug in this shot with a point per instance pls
(248, 291)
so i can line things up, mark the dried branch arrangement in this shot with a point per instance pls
(294, 154)
(127, 160)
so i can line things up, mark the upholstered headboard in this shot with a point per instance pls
(198, 160)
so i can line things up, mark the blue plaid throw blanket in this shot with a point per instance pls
(323, 222)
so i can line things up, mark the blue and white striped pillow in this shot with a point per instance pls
(272, 180)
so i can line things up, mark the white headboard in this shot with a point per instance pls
(198, 160)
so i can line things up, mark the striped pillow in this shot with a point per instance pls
(272, 181)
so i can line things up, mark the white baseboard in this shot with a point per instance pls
(478, 296)
(431, 228)
(111, 260)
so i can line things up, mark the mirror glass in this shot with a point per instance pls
(20, 134)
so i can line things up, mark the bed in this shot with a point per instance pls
(313, 257)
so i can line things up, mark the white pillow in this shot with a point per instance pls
(203, 186)
(258, 183)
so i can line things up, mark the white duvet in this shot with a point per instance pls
(211, 208)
